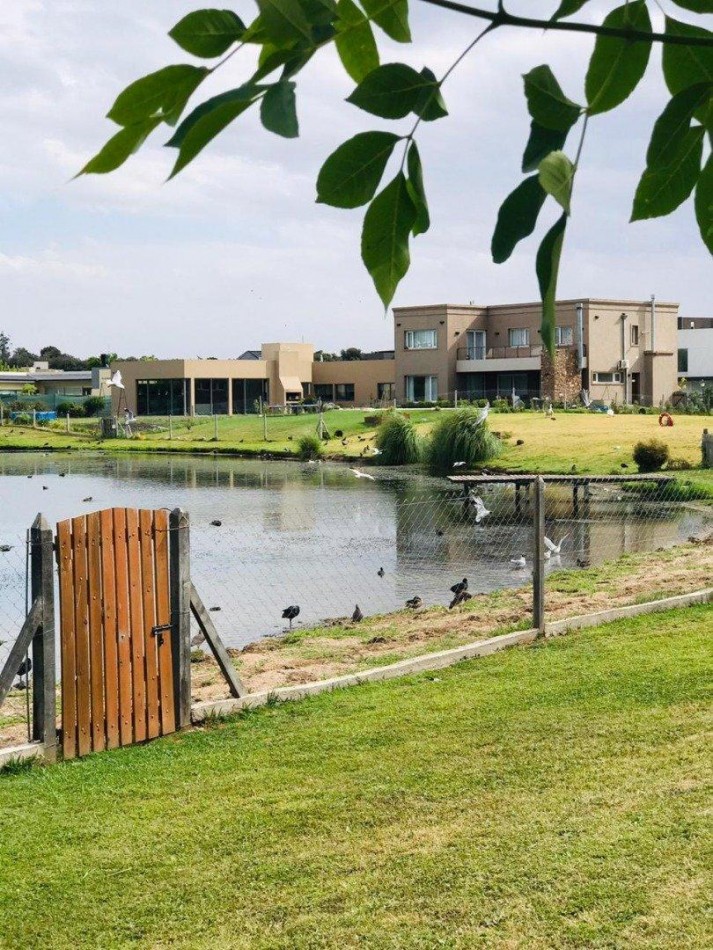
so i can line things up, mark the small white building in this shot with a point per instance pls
(695, 350)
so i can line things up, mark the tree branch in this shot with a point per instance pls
(502, 18)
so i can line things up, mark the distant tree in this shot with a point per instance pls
(4, 347)
(67, 363)
(49, 352)
(351, 353)
(321, 356)
(22, 357)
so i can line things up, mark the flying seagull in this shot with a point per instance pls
(115, 381)
(355, 471)
(552, 548)
(289, 613)
(480, 510)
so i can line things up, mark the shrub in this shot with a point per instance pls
(73, 409)
(94, 405)
(679, 465)
(458, 437)
(309, 447)
(501, 405)
(398, 441)
(651, 456)
(23, 419)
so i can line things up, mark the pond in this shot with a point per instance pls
(318, 536)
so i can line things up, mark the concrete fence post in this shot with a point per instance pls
(538, 567)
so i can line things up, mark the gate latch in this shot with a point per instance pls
(159, 631)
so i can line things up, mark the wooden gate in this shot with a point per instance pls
(117, 642)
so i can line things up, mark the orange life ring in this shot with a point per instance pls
(665, 419)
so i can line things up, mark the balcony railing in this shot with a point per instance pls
(498, 352)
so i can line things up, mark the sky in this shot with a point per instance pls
(235, 252)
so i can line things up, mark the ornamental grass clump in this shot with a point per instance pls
(309, 448)
(398, 441)
(459, 437)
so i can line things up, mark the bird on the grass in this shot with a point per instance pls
(198, 639)
(25, 667)
(217, 524)
(376, 451)
(460, 598)
(458, 464)
(289, 613)
(552, 548)
(359, 474)
(460, 586)
(20, 685)
(414, 603)
(344, 441)
(583, 562)
(381, 572)
(518, 562)
(357, 616)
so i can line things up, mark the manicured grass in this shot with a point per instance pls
(546, 797)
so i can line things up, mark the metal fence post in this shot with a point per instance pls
(538, 571)
(67, 422)
(215, 427)
(44, 713)
(170, 427)
(180, 570)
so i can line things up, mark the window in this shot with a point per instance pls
(249, 394)
(421, 388)
(211, 397)
(162, 397)
(344, 392)
(518, 336)
(634, 334)
(606, 378)
(385, 391)
(683, 361)
(476, 345)
(564, 336)
(420, 340)
(324, 391)
(509, 383)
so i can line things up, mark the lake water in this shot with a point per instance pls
(316, 535)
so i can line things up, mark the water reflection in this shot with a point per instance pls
(316, 536)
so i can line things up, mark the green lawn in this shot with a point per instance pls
(555, 796)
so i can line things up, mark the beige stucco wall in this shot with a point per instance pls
(364, 375)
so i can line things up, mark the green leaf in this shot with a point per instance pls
(617, 65)
(556, 173)
(430, 105)
(697, 6)
(567, 8)
(120, 147)
(546, 102)
(278, 110)
(671, 127)
(547, 268)
(208, 32)
(284, 21)
(384, 240)
(660, 192)
(685, 66)
(416, 190)
(517, 217)
(391, 16)
(163, 94)
(704, 203)
(350, 176)
(247, 94)
(215, 115)
(355, 41)
(541, 142)
(390, 91)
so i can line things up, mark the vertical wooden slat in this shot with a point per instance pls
(67, 639)
(123, 626)
(136, 613)
(81, 622)
(96, 631)
(150, 641)
(111, 643)
(163, 616)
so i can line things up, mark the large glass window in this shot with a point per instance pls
(509, 383)
(162, 397)
(421, 388)
(476, 344)
(385, 391)
(344, 392)
(518, 336)
(564, 336)
(421, 340)
(324, 391)
(248, 394)
(683, 361)
(211, 397)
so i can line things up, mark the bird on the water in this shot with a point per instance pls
(289, 613)
(381, 572)
(216, 523)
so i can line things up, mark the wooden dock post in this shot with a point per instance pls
(180, 568)
(44, 711)
(538, 570)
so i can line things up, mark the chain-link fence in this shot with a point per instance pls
(15, 723)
